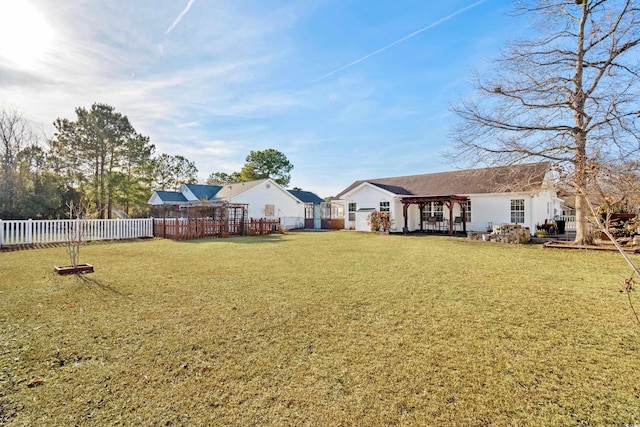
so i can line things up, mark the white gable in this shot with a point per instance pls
(267, 199)
(366, 189)
(188, 194)
(155, 199)
(365, 198)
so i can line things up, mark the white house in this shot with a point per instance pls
(466, 200)
(263, 198)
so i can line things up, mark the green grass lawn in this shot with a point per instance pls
(320, 329)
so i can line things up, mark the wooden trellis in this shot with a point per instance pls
(213, 221)
(197, 222)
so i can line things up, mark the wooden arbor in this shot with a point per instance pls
(448, 201)
(200, 221)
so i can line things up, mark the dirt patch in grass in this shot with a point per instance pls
(318, 329)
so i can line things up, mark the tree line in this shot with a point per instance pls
(100, 161)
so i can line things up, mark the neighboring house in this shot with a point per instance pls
(319, 214)
(263, 198)
(466, 200)
(165, 199)
(312, 208)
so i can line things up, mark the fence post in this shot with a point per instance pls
(29, 231)
(1, 233)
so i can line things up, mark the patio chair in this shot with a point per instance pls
(432, 223)
(549, 226)
(457, 223)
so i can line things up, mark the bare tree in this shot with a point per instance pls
(569, 96)
(15, 135)
(76, 232)
(616, 187)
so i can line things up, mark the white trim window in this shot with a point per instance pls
(433, 209)
(438, 210)
(468, 211)
(517, 211)
(352, 212)
(385, 207)
(426, 212)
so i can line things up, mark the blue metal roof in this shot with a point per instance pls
(306, 196)
(171, 197)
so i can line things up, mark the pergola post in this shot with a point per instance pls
(449, 205)
(463, 208)
(405, 211)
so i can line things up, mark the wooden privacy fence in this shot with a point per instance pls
(188, 228)
(30, 232)
(198, 228)
(262, 226)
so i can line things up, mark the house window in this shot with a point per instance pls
(468, 211)
(384, 207)
(517, 211)
(352, 212)
(438, 211)
(433, 209)
(426, 212)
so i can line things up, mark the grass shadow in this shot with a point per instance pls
(268, 238)
(93, 284)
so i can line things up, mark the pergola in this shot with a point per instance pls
(448, 201)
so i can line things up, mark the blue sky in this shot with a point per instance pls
(346, 89)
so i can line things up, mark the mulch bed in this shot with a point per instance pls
(22, 247)
(604, 247)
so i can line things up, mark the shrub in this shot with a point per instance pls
(379, 220)
(375, 221)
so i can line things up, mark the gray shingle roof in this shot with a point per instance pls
(502, 179)
(395, 189)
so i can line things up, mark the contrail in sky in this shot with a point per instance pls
(438, 22)
(184, 12)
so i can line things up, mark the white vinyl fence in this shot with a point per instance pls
(27, 232)
(291, 222)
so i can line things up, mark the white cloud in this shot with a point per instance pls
(179, 17)
(189, 125)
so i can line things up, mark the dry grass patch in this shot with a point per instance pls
(318, 329)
